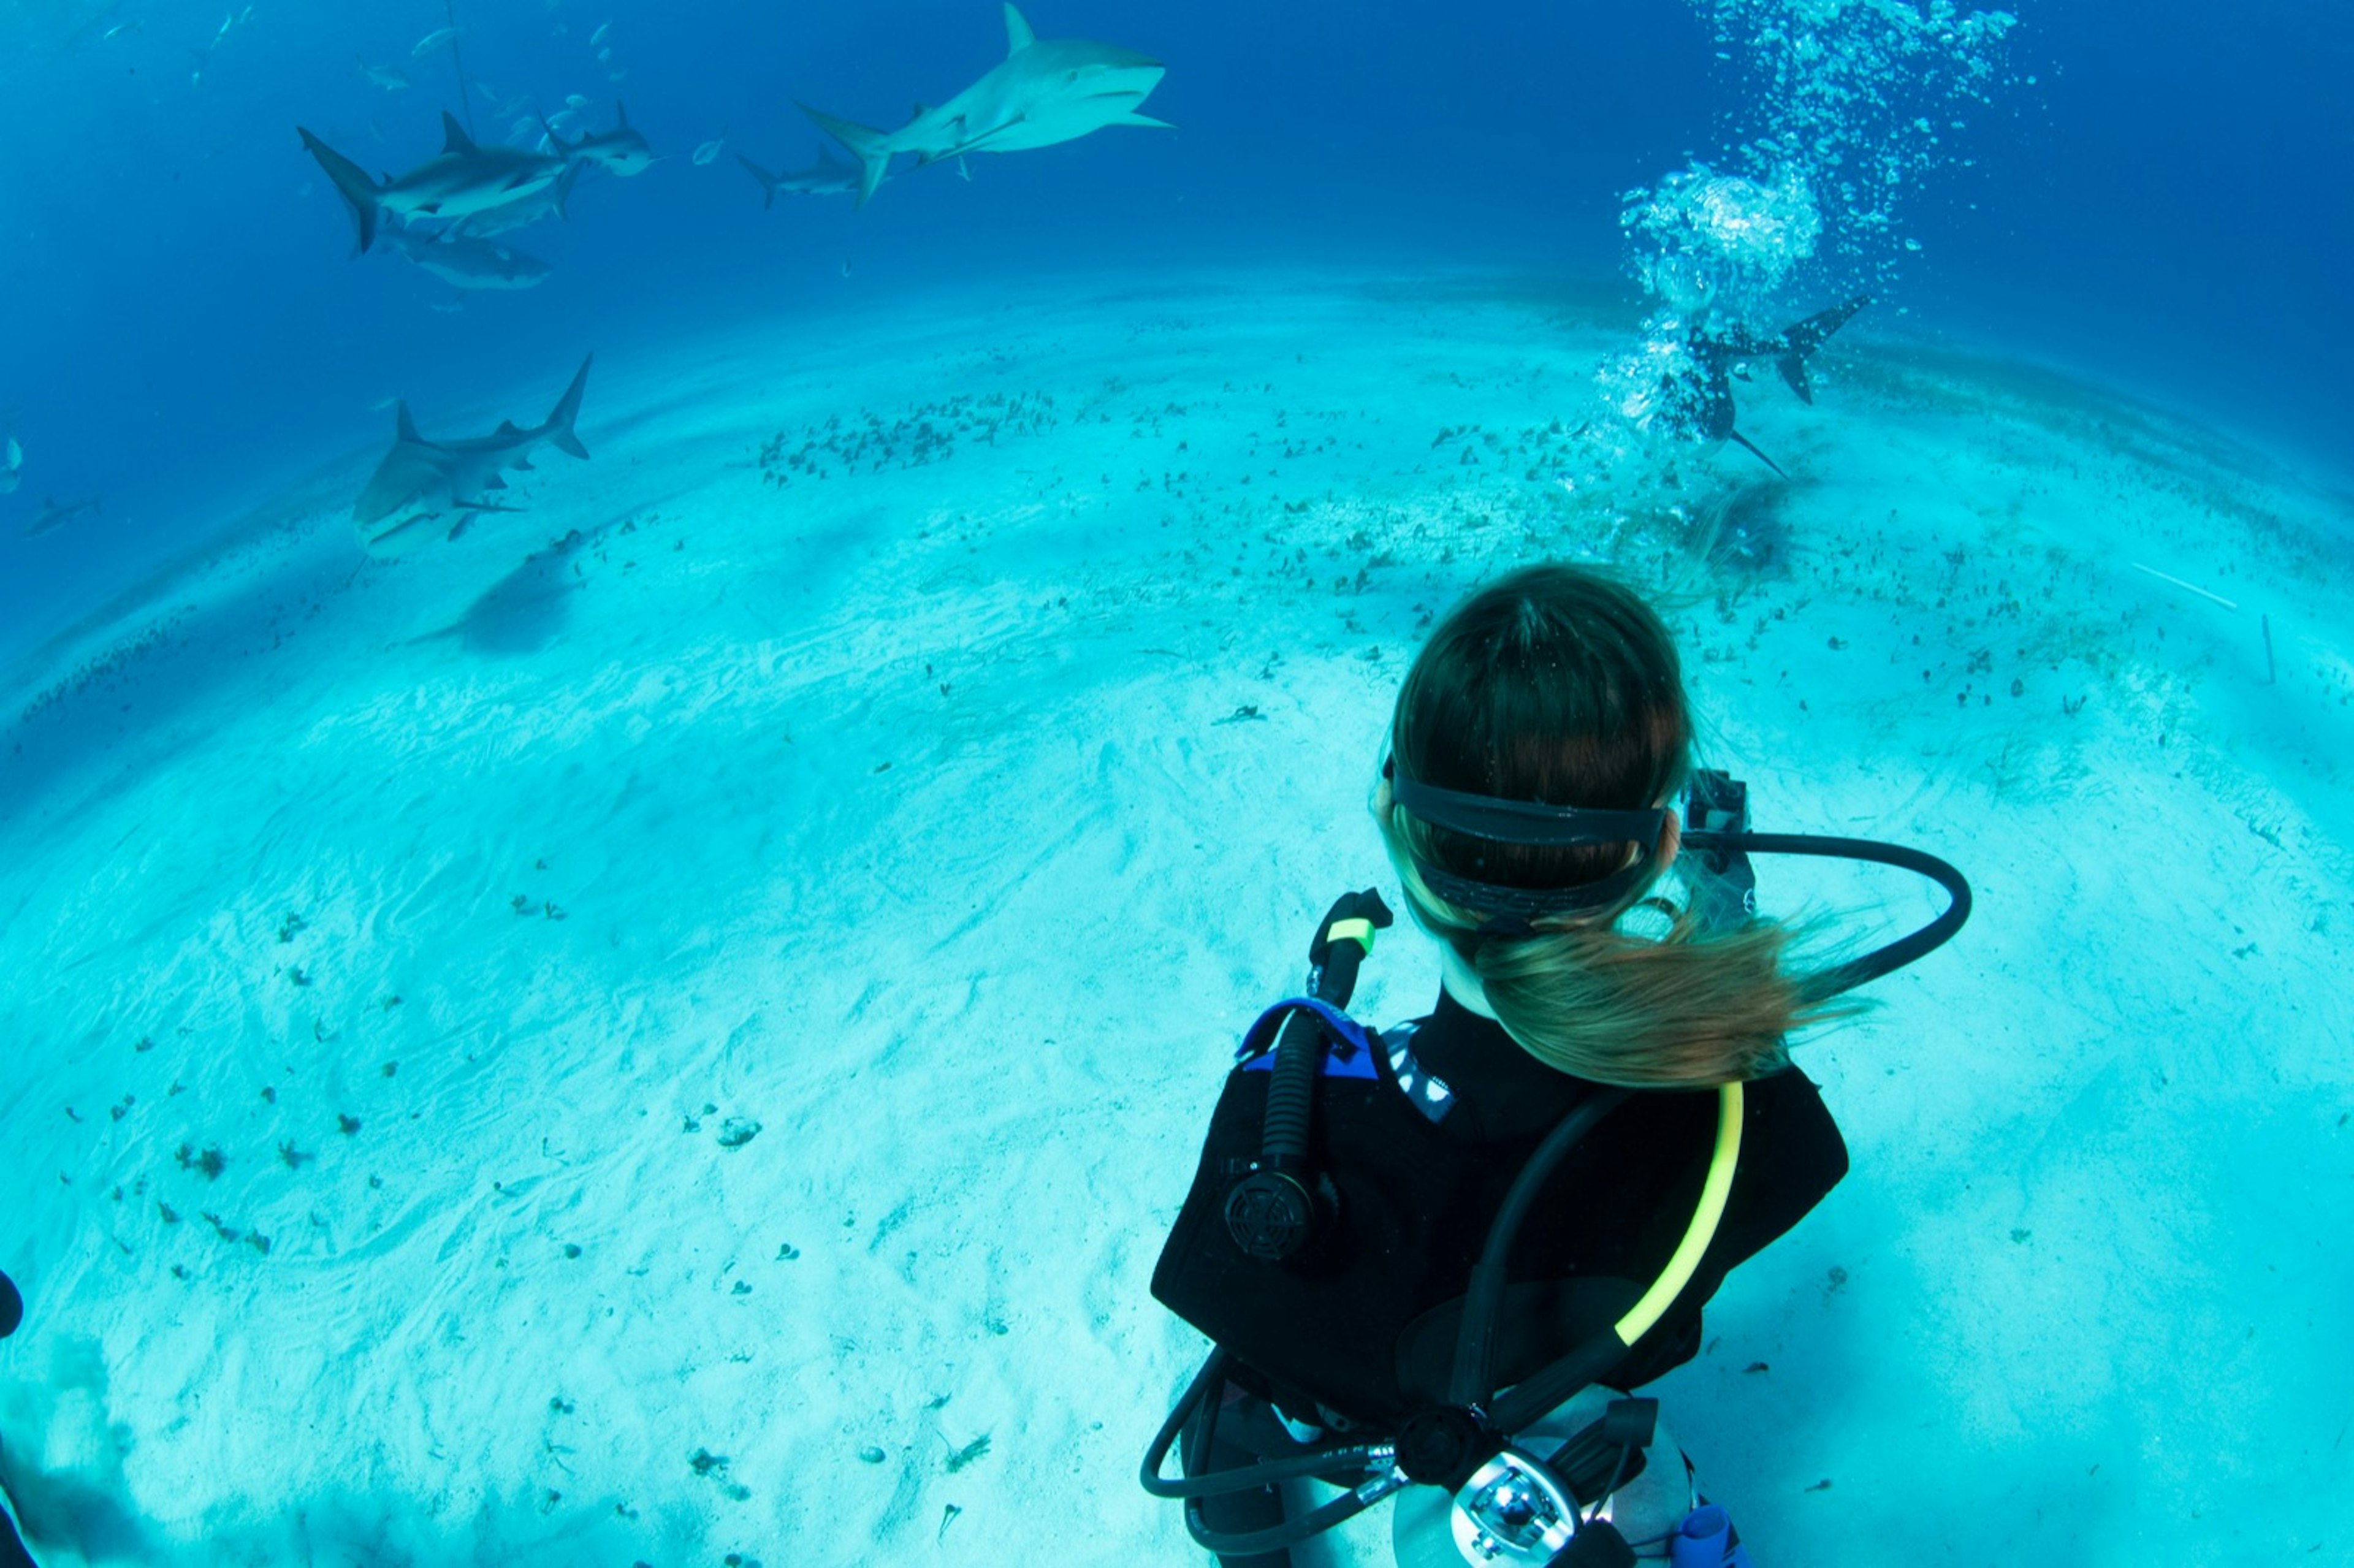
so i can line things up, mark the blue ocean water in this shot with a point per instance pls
(2157, 205)
(686, 918)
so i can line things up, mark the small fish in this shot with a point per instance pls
(388, 78)
(598, 35)
(575, 101)
(13, 473)
(605, 54)
(432, 41)
(709, 150)
(125, 27)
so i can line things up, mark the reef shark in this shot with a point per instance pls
(1041, 94)
(55, 515)
(828, 176)
(465, 262)
(420, 481)
(621, 150)
(462, 180)
(1702, 396)
(524, 211)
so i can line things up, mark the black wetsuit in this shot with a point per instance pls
(1617, 1207)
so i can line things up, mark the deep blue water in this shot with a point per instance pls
(2166, 205)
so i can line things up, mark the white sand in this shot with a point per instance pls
(891, 811)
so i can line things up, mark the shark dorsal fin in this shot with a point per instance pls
(1018, 35)
(621, 113)
(453, 136)
(509, 427)
(403, 427)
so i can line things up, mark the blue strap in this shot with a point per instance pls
(1348, 1054)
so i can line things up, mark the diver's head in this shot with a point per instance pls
(1557, 684)
(1553, 683)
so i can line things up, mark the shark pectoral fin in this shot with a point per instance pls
(1752, 448)
(963, 173)
(1133, 118)
(564, 184)
(1018, 35)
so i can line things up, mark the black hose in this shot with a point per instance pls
(1881, 960)
(1473, 1379)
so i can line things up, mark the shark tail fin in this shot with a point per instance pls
(1751, 447)
(350, 181)
(767, 181)
(868, 144)
(567, 409)
(1801, 341)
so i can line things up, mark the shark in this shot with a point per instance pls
(55, 514)
(392, 79)
(460, 181)
(621, 150)
(827, 177)
(524, 211)
(1701, 396)
(465, 261)
(421, 481)
(1044, 92)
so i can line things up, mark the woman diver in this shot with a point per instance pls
(1609, 974)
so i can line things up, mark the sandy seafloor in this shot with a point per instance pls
(945, 822)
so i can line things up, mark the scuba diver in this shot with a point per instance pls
(1433, 1258)
(12, 1544)
(1698, 401)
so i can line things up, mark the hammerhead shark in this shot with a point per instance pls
(827, 177)
(1041, 94)
(460, 181)
(420, 481)
(1703, 395)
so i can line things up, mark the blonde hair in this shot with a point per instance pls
(1556, 684)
